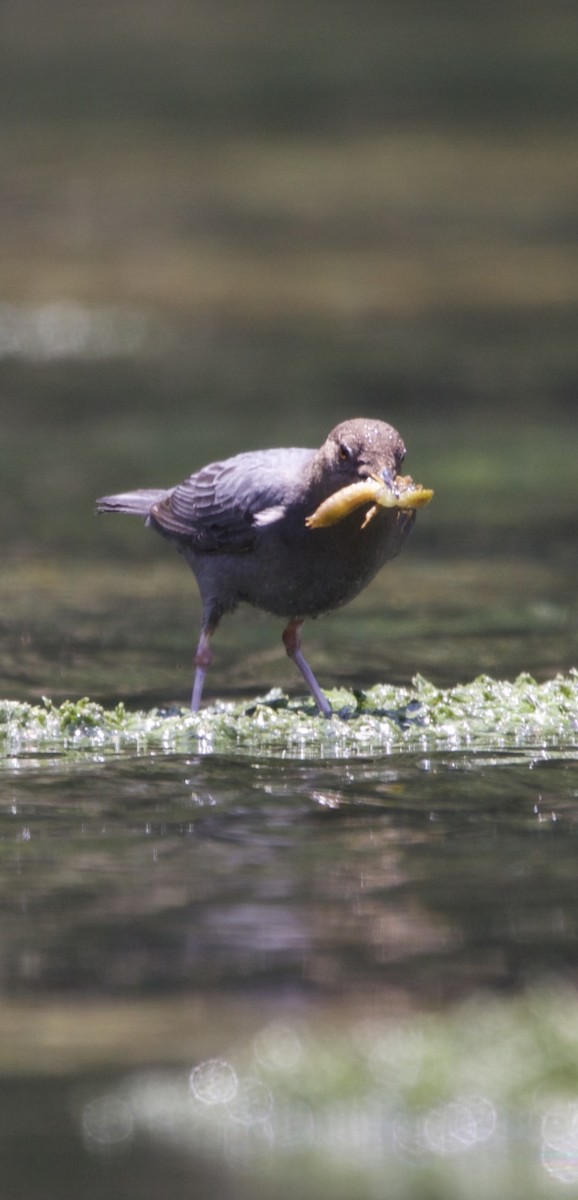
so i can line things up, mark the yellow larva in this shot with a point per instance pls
(347, 499)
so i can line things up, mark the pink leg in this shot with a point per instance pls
(292, 643)
(203, 660)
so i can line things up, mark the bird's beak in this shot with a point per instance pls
(385, 476)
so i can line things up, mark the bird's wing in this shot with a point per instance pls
(223, 506)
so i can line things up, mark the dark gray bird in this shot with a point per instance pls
(241, 526)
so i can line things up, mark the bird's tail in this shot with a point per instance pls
(139, 502)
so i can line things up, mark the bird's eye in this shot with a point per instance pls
(345, 454)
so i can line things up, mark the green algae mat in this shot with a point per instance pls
(482, 714)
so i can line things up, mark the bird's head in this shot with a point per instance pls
(359, 449)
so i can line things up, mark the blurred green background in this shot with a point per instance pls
(233, 223)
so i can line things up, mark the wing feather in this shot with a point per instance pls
(218, 508)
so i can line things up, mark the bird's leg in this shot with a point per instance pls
(203, 659)
(292, 643)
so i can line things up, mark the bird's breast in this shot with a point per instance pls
(298, 571)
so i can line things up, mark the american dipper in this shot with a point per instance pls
(241, 526)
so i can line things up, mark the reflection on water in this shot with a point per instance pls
(419, 875)
(306, 913)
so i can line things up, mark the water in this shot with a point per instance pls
(140, 876)
(173, 913)
(267, 958)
